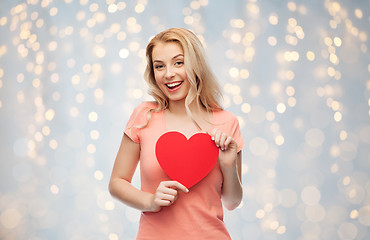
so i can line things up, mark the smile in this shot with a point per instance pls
(174, 85)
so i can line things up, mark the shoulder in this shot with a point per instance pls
(225, 120)
(147, 105)
(144, 107)
(229, 123)
(140, 114)
(224, 115)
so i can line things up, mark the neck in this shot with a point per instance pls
(178, 107)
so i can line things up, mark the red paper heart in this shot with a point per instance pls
(186, 161)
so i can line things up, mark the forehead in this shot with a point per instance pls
(166, 50)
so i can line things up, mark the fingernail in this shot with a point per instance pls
(217, 145)
(213, 138)
(187, 190)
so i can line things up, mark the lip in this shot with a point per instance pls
(175, 88)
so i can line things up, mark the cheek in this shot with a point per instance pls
(159, 81)
(157, 77)
(184, 75)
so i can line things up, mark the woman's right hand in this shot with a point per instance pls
(165, 195)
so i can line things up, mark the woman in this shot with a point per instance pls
(186, 100)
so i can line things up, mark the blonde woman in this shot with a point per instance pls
(186, 97)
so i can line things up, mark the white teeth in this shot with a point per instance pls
(171, 85)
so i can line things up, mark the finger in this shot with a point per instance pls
(164, 192)
(218, 138)
(162, 202)
(228, 141)
(233, 144)
(168, 194)
(169, 197)
(166, 197)
(179, 186)
(167, 190)
(167, 185)
(223, 139)
(213, 133)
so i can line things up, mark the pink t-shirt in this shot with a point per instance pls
(194, 215)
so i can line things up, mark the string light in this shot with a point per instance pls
(298, 85)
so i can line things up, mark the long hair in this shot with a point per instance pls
(204, 88)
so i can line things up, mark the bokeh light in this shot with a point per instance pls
(296, 74)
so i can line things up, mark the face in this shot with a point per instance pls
(169, 70)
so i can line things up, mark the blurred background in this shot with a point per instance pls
(296, 73)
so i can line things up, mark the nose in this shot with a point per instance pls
(170, 73)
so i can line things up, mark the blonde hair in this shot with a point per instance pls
(204, 88)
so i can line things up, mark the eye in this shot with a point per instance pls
(159, 66)
(179, 63)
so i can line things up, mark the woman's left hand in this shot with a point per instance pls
(228, 148)
(230, 164)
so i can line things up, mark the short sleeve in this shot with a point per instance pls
(138, 119)
(236, 134)
(229, 123)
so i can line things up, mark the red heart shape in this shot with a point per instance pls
(186, 161)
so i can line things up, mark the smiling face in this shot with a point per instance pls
(169, 70)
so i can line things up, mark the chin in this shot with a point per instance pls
(176, 99)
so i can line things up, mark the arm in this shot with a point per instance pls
(120, 182)
(123, 169)
(230, 164)
(232, 190)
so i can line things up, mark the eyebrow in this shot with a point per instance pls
(178, 55)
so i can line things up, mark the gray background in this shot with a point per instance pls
(296, 73)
